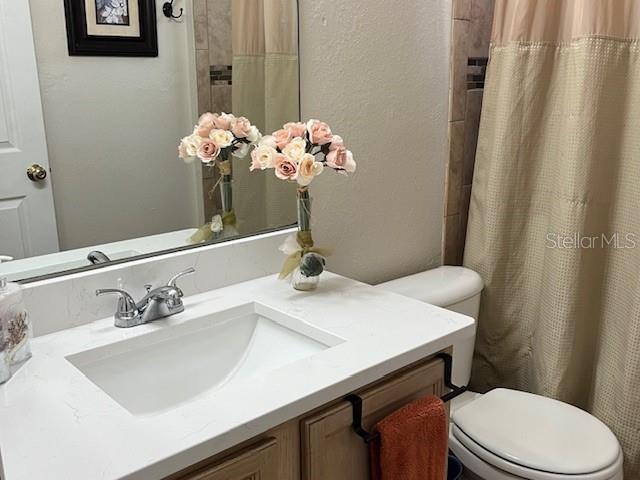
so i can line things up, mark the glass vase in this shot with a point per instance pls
(299, 280)
(226, 199)
(226, 194)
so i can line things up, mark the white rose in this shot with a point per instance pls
(263, 157)
(295, 149)
(254, 134)
(191, 144)
(268, 140)
(223, 138)
(308, 169)
(241, 151)
(350, 165)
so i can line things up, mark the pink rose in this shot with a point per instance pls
(223, 121)
(297, 129)
(241, 127)
(282, 137)
(336, 142)
(208, 150)
(206, 123)
(341, 159)
(319, 132)
(285, 168)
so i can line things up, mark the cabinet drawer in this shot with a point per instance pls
(330, 449)
(256, 462)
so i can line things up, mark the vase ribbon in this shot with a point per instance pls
(305, 241)
(229, 218)
(224, 166)
(203, 234)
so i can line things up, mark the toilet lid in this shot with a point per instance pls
(538, 433)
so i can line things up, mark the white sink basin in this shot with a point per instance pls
(160, 370)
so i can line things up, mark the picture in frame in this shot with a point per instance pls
(117, 28)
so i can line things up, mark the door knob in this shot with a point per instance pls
(36, 173)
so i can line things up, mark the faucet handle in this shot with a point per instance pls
(174, 279)
(126, 304)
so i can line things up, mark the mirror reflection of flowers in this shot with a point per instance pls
(216, 139)
(298, 153)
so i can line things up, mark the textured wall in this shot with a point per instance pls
(378, 73)
(112, 127)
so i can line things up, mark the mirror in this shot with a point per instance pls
(91, 114)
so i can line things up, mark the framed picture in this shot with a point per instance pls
(117, 28)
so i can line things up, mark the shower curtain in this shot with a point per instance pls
(265, 90)
(554, 224)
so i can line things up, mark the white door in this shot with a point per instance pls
(27, 217)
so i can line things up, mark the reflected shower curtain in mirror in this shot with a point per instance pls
(266, 90)
(554, 225)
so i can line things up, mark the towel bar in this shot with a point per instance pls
(356, 401)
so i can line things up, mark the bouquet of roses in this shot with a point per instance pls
(217, 137)
(214, 141)
(298, 153)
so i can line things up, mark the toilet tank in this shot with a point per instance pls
(454, 288)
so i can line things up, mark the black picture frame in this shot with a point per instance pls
(82, 44)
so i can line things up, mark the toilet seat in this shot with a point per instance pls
(535, 438)
(492, 467)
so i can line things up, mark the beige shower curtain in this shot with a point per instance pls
(265, 90)
(554, 226)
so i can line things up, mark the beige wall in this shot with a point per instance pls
(112, 127)
(378, 73)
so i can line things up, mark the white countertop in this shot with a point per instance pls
(56, 424)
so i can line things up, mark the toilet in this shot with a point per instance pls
(507, 434)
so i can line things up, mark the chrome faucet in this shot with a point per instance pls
(157, 303)
(96, 257)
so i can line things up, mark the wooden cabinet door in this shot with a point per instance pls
(330, 449)
(257, 462)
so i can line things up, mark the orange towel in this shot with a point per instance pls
(413, 443)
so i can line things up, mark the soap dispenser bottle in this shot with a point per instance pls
(15, 329)
(5, 367)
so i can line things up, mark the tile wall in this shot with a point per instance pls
(470, 35)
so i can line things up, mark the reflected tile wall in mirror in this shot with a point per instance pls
(247, 54)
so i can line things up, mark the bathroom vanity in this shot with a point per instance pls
(248, 382)
(321, 443)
